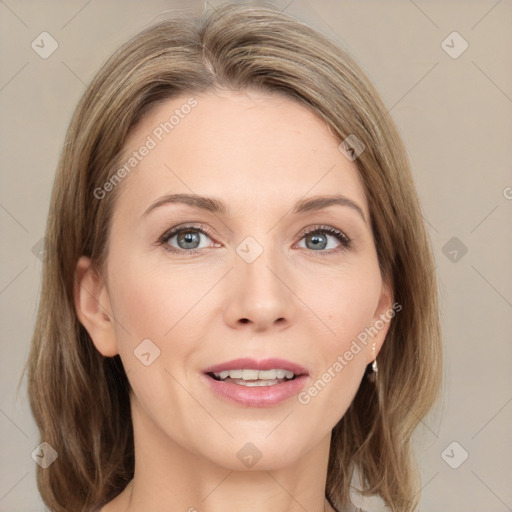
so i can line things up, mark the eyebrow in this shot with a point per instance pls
(215, 206)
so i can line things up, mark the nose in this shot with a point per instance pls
(260, 294)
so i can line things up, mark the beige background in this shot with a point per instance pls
(455, 115)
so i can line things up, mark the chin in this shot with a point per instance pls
(255, 453)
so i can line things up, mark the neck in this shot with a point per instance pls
(166, 473)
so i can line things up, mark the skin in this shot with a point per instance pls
(259, 153)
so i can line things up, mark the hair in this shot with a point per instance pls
(80, 399)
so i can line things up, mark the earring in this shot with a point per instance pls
(372, 376)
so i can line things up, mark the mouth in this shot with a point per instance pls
(256, 383)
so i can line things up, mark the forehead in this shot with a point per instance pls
(251, 149)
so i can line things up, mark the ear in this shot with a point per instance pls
(385, 312)
(92, 304)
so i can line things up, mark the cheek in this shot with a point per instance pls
(341, 357)
(150, 297)
(346, 302)
(152, 301)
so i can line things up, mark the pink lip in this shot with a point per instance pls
(258, 396)
(251, 364)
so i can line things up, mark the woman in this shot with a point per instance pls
(234, 237)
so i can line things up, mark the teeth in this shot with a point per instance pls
(255, 375)
(250, 374)
(257, 383)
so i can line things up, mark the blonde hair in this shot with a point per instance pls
(80, 399)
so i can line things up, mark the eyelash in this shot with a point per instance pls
(339, 235)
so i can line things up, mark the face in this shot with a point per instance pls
(256, 272)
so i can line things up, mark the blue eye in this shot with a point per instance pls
(317, 239)
(187, 239)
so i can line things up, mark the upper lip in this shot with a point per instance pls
(247, 363)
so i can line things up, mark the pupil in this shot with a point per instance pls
(188, 237)
(317, 241)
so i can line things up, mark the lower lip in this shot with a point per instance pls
(257, 396)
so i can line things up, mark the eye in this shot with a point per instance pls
(318, 238)
(185, 238)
